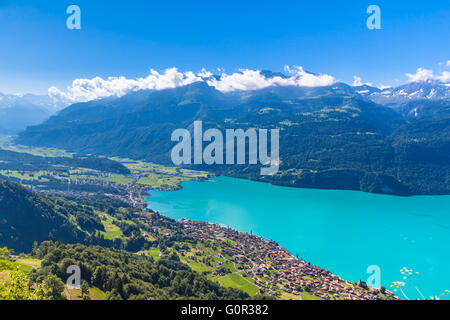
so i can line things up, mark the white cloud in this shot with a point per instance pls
(253, 79)
(426, 74)
(205, 74)
(90, 89)
(357, 81)
(83, 90)
(447, 64)
(302, 78)
(420, 75)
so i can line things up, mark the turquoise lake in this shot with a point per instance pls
(342, 231)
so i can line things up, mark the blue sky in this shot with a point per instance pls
(126, 38)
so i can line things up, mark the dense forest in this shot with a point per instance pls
(27, 216)
(123, 275)
(11, 160)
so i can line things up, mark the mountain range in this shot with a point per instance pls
(331, 137)
(411, 100)
(415, 100)
(421, 90)
(19, 111)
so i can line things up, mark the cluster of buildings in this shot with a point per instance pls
(274, 270)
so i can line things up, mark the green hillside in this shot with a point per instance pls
(330, 137)
(124, 275)
(26, 217)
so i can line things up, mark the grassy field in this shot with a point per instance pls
(154, 252)
(289, 296)
(156, 176)
(4, 276)
(207, 260)
(144, 173)
(23, 264)
(6, 265)
(6, 144)
(94, 293)
(195, 265)
(234, 280)
(111, 230)
(38, 175)
(30, 262)
(308, 296)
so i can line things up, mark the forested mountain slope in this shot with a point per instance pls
(331, 137)
(26, 217)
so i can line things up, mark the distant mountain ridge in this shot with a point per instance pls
(19, 111)
(331, 137)
(420, 90)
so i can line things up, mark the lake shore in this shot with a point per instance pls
(274, 270)
(227, 203)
